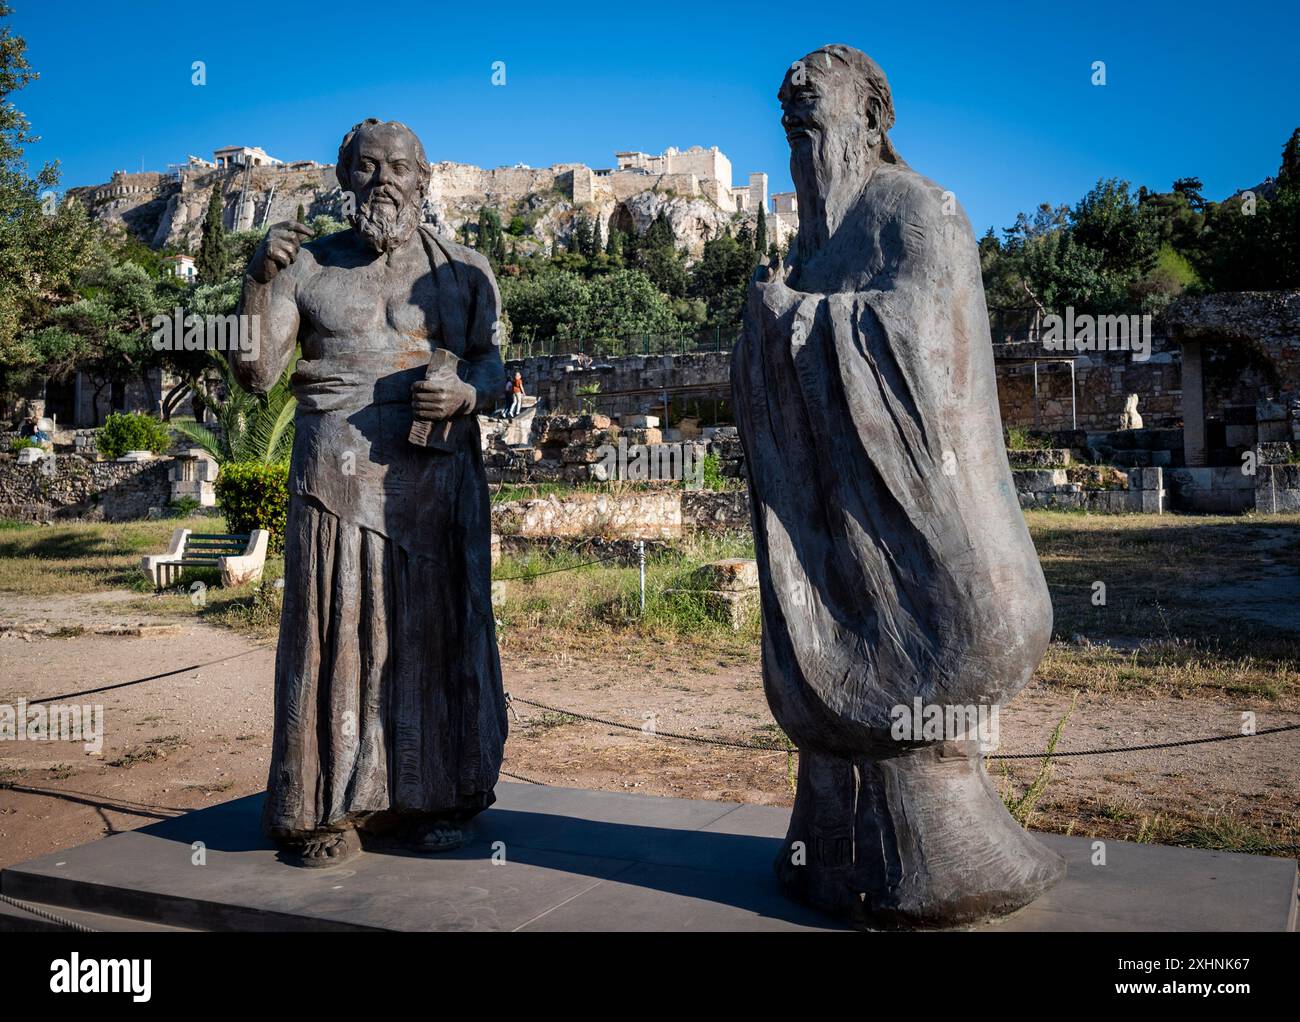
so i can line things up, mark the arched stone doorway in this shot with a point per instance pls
(1240, 371)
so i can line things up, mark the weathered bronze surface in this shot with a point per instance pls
(894, 560)
(389, 712)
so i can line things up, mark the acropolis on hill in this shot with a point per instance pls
(694, 187)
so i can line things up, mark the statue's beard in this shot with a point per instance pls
(829, 172)
(804, 164)
(385, 225)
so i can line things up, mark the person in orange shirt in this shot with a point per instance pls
(516, 396)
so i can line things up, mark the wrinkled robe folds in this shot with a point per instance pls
(388, 692)
(894, 558)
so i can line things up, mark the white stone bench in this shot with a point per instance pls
(240, 557)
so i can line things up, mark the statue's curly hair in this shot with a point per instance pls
(343, 169)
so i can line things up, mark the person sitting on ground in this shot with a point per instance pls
(32, 429)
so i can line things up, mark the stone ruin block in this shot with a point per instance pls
(641, 436)
(638, 421)
(548, 470)
(726, 448)
(579, 454)
(728, 590)
(1036, 479)
(1069, 438)
(735, 574)
(1045, 458)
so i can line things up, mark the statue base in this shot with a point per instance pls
(916, 840)
(563, 859)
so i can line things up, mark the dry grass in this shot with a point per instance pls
(604, 600)
(84, 557)
(1257, 828)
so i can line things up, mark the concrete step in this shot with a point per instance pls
(554, 858)
(15, 919)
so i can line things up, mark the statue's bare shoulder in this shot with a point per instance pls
(337, 249)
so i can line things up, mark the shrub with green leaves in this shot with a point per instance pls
(19, 443)
(255, 495)
(712, 477)
(131, 431)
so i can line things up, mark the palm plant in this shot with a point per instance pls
(254, 427)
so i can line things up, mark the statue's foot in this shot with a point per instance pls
(918, 840)
(322, 850)
(438, 836)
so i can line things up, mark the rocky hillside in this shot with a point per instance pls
(166, 211)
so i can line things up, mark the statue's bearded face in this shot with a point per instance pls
(388, 183)
(827, 129)
(802, 115)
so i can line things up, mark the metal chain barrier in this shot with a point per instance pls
(1019, 755)
(1145, 748)
(551, 571)
(650, 734)
(49, 917)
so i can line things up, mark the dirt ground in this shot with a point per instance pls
(202, 735)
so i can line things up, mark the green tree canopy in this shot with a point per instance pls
(44, 243)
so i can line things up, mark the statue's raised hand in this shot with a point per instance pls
(278, 249)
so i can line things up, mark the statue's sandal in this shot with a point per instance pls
(328, 850)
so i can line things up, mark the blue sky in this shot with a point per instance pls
(994, 100)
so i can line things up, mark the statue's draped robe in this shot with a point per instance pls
(388, 691)
(895, 558)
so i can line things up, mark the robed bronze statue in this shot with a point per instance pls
(896, 571)
(389, 713)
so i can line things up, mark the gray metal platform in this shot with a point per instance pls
(586, 860)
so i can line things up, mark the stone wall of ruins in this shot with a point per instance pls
(1101, 383)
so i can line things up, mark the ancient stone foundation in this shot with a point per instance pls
(74, 487)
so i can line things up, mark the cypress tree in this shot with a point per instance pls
(580, 240)
(760, 233)
(211, 263)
